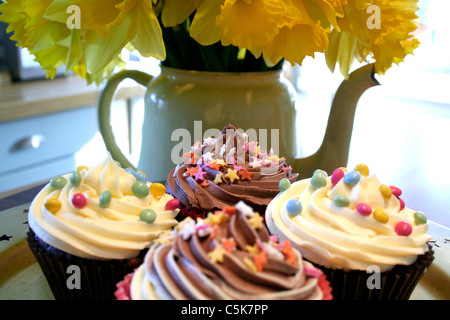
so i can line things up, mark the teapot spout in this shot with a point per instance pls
(334, 150)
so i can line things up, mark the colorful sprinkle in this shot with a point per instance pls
(140, 189)
(352, 177)
(140, 176)
(380, 215)
(148, 215)
(79, 200)
(363, 209)
(105, 198)
(363, 169)
(200, 175)
(402, 204)
(320, 172)
(289, 252)
(229, 245)
(172, 204)
(216, 255)
(403, 228)
(53, 205)
(232, 175)
(260, 260)
(341, 200)
(337, 175)
(396, 191)
(284, 184)
(386, 192)
(245, 174)
(218, 178)
(420, 218)
(294, 207)
(157, 189)
(191, 171)
(318, 181)
(58, 182)
(75, 178)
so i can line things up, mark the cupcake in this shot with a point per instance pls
(228, 255)
(225, 170)
(89, 228)
(357, 230)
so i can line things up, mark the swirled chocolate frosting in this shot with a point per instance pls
(228, 255)
(227, 169)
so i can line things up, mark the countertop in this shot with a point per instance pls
(36, 97)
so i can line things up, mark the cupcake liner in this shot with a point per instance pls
(98, 278)
(396, 284)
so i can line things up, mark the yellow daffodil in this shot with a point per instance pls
(384, 34)
(270, 30)
(303, 32)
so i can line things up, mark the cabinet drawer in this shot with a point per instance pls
(39, 140)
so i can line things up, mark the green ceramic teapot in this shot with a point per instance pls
(177, 101)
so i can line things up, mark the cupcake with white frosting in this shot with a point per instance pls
(101, 221)
(358, 230)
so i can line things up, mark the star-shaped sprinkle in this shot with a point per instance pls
(254, 249)
(245, 174)
(238, 168)
(191, 171)
(216, 255)
(218, 178)
(200, 175)
(232, 175)
(289, 253)
(249, 263)
(208, 156)
(215, 165)
(229, 210)
(255, 163)
(205, 183)
(260, 260)
(229, 245)
(256, 221)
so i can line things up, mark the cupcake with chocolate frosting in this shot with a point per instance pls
(228, 255)
(357, 230)
(225, 170)
(98, 221)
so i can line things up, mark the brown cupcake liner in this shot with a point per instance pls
(98, 278)
(395, 284)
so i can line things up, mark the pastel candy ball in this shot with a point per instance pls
(402, 204)
(318, 181)
(352, 177)
(131, 171)
(105, 199)
(420, 218)
(396, 191)
(363, 209)
(320, 172)
(172, 204)
(157, 189)
(337, 175)
(75, 178)
(386, 192)
(284, 184)
(341, 200)
(294, 207)
(363, 169)
(53, 205)
(140, 189)
(148, 215)
(58, 182)
(403, 228)
(141, 176)
(380, 215)
(79, 200)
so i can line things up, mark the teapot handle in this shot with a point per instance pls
(104, 111)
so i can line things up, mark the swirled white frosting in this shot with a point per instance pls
(114, 232)
(341, 238)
